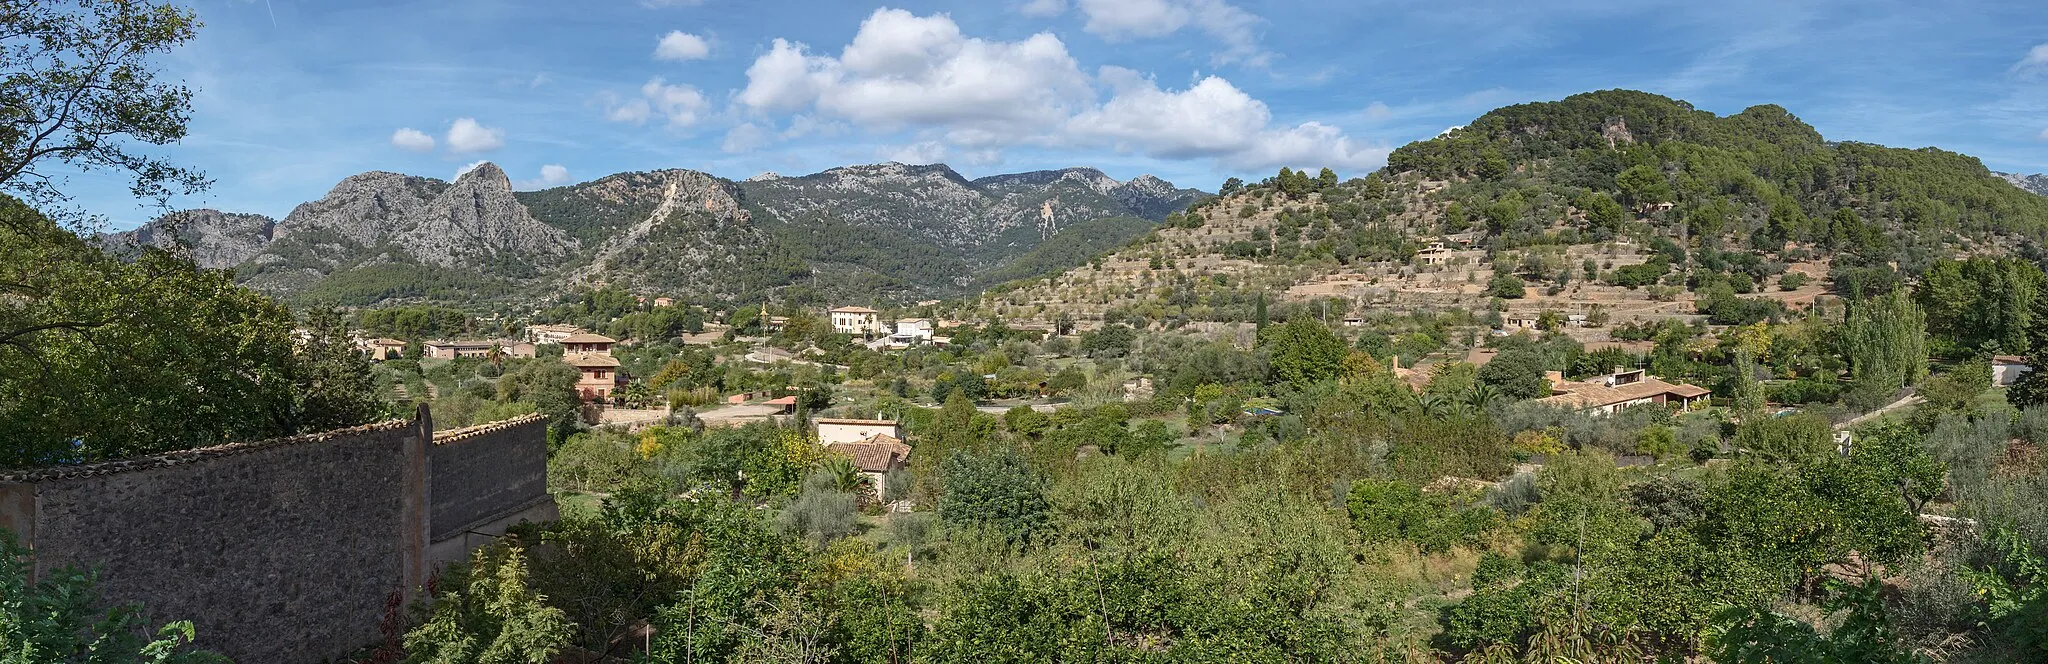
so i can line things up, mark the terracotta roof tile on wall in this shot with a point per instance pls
(879, 454)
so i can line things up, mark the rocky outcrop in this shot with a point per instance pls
(2037, 183)
(477, 220)
(214, 239)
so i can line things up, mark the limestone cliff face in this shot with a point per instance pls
(477, 220)
(213, 238)
(2037, 183)
(474, 220)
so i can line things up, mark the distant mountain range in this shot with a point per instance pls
(2037, 183)
(856, 231)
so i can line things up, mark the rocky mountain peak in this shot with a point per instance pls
(485, 174)
(2037, 183)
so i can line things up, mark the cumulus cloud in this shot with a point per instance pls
(2035, 61)
(680, 46)
(681, 105)
(467, 136)
(903, 70)
(412, 140)
(551, 175)
(965, 98)
(1236, 29)
(1212, 119)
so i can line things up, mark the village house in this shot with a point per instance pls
(875, 458)
(448, 350)
(381, 349)
(875, 446)
(1614, 392)
(587, 343)
(2007, 369)
(855, 320)
(910, 332)
(600, 374)
(832, 430)
(1434, 254)
(551, 334)
(664, 302)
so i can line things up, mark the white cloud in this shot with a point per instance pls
(965, 98)
(1236, 29)
(681, 105)
(922, 152)
(412, 140)
(1211, 119)
(540, 79)
(1378, 111)
(679, 46)
(744, 137)
(635, 111)
(551, 175)
(903, 70)
(467, 136)
(2044, 134)
(471, 166)
(2036, 61)
(1043, 8)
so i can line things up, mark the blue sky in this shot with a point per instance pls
(294, 95)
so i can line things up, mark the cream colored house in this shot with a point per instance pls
(856, 320)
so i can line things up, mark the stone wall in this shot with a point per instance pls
(481, 473)
(284, 550)
(278, 551)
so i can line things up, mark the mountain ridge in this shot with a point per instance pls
(380, 234)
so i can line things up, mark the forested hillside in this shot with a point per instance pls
(1605, 197)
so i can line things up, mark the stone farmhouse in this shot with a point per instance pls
(1613, 392)
(875, 446)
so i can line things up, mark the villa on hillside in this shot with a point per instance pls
(875, 446)
(587, 343)
(551, 334)
(600, 374)
(855, 320)
(1614, 392)
(875, 458)
(2007, 369)
(909, 332)
(382, 349)
(448, 350)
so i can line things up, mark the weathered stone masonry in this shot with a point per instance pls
(283, 550)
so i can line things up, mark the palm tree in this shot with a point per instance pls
(496, 356)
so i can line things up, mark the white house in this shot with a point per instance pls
(855, 320)
(2007, 369)
(910, 332)
(551, 334)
